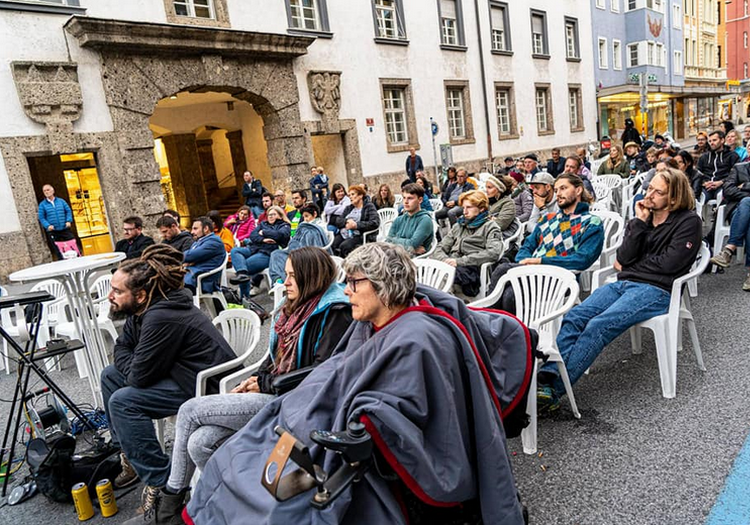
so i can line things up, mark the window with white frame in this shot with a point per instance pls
(633, 57)
(656, 5)
(539, 44)
(194, 8)
(506, 119)
(572, 49)
(304, 14)
(389, 19)
(603, 53)
(616, 55)
(686, 47)
(650, 54)
(574, 108)
(659, 58)
(451, 31)
(455, 106)
(615, 6)
(677, 16)
(632, 4)
(601, 4)
(543, 104)
(394, 102)
(678, 70)
(500, 28)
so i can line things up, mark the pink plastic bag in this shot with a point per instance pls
(68, 248)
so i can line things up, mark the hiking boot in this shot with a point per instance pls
(746, 284)
(160, 507)
(724, 259)
(127, 476)
(547, 400)
(240, 278)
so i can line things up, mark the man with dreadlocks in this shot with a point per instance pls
(165, 342)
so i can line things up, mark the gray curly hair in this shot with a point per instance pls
(389, 269)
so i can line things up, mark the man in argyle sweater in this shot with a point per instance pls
(572, 238)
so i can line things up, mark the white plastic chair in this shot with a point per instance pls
(381, 233)
(437, 205)
(434, 244)
(397, 199)
(614, 229)
(667, 328)
(721, 233)
(628, 192)
(15, 326)
(208, 297)
(543, 294)
(602, 193)
(516, 237)
(485, 275)
(436, 274)
(615, 184)
(105, 324)
(331, 236)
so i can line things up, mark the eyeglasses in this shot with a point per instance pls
(352, 283)
(130, 229)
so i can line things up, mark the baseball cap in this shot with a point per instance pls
(543, 178)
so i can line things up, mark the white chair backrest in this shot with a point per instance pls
(340, 265)
(614, 227)
(398, 199)
(330, 236)
(598, 207)
(436, 274)
(437, 204)
(516, 237)
(602, 191)
(240, 328)
(102, 286)
(52, 309)
(541, 292)
(216, 270)
(387, 214)
(612, 181)
(384, 229)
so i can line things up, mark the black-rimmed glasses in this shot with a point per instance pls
(352, 283)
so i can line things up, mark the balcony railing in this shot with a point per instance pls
(708, 73)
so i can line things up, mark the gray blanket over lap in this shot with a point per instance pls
(425, 391)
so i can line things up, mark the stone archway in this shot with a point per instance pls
(143, 63)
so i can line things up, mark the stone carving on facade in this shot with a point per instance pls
(51, 95)
(325, 96)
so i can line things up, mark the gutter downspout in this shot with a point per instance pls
(484, 83)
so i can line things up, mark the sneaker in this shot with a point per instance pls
(547, 400)
(255, 290)
(127, 476)
(240, 278)
(724, 259)
(160, 507)
(746, 284)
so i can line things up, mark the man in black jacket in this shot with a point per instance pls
(253, 190)
(165, 342)
(716, 163)
(134, 242)
(172, 235)
(660, 245)
(737, 201)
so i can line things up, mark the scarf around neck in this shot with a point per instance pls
(476, 222)
(288, 328)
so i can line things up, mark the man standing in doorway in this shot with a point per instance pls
(134, 241)
(413, 165)
(56, 218)
(252, 190)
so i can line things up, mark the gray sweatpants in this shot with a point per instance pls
(203, 424)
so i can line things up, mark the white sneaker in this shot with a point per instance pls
(255, 290)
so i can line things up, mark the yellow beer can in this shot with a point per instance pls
(82, 501)
(106, 496)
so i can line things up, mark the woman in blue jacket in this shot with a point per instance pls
(254, 255)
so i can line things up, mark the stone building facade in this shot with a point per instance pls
(197, 91)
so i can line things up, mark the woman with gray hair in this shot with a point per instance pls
(381, 281)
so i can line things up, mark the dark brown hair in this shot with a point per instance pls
(577, 182)
(314, 272)
(158, 269)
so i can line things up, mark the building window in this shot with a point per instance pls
(458, 108)
(539, 43)
(677, 16)
(656, 5)
(500, 26)
(616, 55)
(678, 62)
(744, 39)
(601, 4)
(574, 107)
(632, 4)
(506, 111)
(744, 70)
(745, 6)
(650, 54)
(633, 55)
(603, 53)
(659, 59)
(544, 123)
(451, 23)
(304, 14)
(572, 49)
(398, 115)
(389, 20)
(194, 8)
(615, 6)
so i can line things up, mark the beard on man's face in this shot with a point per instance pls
(117, 313)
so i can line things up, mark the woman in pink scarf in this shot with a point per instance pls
(241, 224)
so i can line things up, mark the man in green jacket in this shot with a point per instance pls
(413, 229)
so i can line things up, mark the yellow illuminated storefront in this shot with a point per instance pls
(614, 109)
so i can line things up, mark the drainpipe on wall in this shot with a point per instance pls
(484, 82)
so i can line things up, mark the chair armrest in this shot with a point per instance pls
(204, 375)
(286, 382)
(600, 277)
(228, 382)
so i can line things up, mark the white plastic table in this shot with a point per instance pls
(75, 274)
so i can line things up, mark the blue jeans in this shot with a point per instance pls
(130, 412)
(277, 265)
(257, 211)
(739, 228)
(597, 321)
(242, 261)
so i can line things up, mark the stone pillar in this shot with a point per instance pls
(239, 161)
(208, 171)
(185, 171)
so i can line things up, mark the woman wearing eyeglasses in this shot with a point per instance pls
(305, 332)
(475, 239)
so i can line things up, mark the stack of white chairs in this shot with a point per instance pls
(667, 328)
(628, 192)
(543, 294)
(615, 185)
(602, 193)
